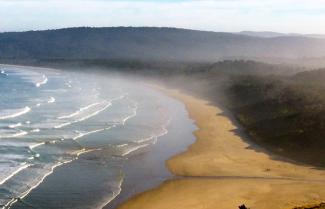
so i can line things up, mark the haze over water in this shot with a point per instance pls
(49, 118)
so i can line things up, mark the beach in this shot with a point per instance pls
(223, 169)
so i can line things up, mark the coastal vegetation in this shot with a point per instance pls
(284, 113)
(158, 44)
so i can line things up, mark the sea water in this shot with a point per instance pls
(50, 118)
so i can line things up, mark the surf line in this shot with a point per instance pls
(19, 113)
(44, 81)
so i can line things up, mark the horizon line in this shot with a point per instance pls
(241, 32)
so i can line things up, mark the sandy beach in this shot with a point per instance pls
(223, 170)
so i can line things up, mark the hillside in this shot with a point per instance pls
(284, 113)
(152, 44)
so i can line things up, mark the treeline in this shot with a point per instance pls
(149, 43)
(286, 113)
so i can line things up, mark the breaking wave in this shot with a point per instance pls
(12, 113)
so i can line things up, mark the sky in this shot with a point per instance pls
(287, 16)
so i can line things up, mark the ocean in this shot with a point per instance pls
(65, 136)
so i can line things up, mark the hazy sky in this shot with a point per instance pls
(301, 16)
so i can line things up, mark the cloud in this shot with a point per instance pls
(218, 15)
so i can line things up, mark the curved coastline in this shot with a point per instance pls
(220, 170)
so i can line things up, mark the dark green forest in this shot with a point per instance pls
(154, 44)
(285, 113)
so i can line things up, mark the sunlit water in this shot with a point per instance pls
(49, 118)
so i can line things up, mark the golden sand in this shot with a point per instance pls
(223, 171)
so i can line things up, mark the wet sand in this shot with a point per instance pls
(222, 170)
(146, 168)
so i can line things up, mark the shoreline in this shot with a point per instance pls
(221, 170)
(147, 169)
(140, 170)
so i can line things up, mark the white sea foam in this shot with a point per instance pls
(133, 149)
(164, 130)
(122, 145)
(48, 115)
(31, 76)
(42, 82)
(105, 106)
(4, 73)
(127, 149)
(24, 166)
(24, 194)
(82, 134)
(51, 100)
(15, 125)
(84, 151)
(36, 145)
(78, 111)
(115, 194)
(12, 134)
(51, 170)
(68, 84)
(132, 115)
(145, 139)
(12, 113)
(89, 106)
(62, 125)
(36, 130)
(19, 134)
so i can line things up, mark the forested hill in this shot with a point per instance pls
(285, 113)
(151, 44)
